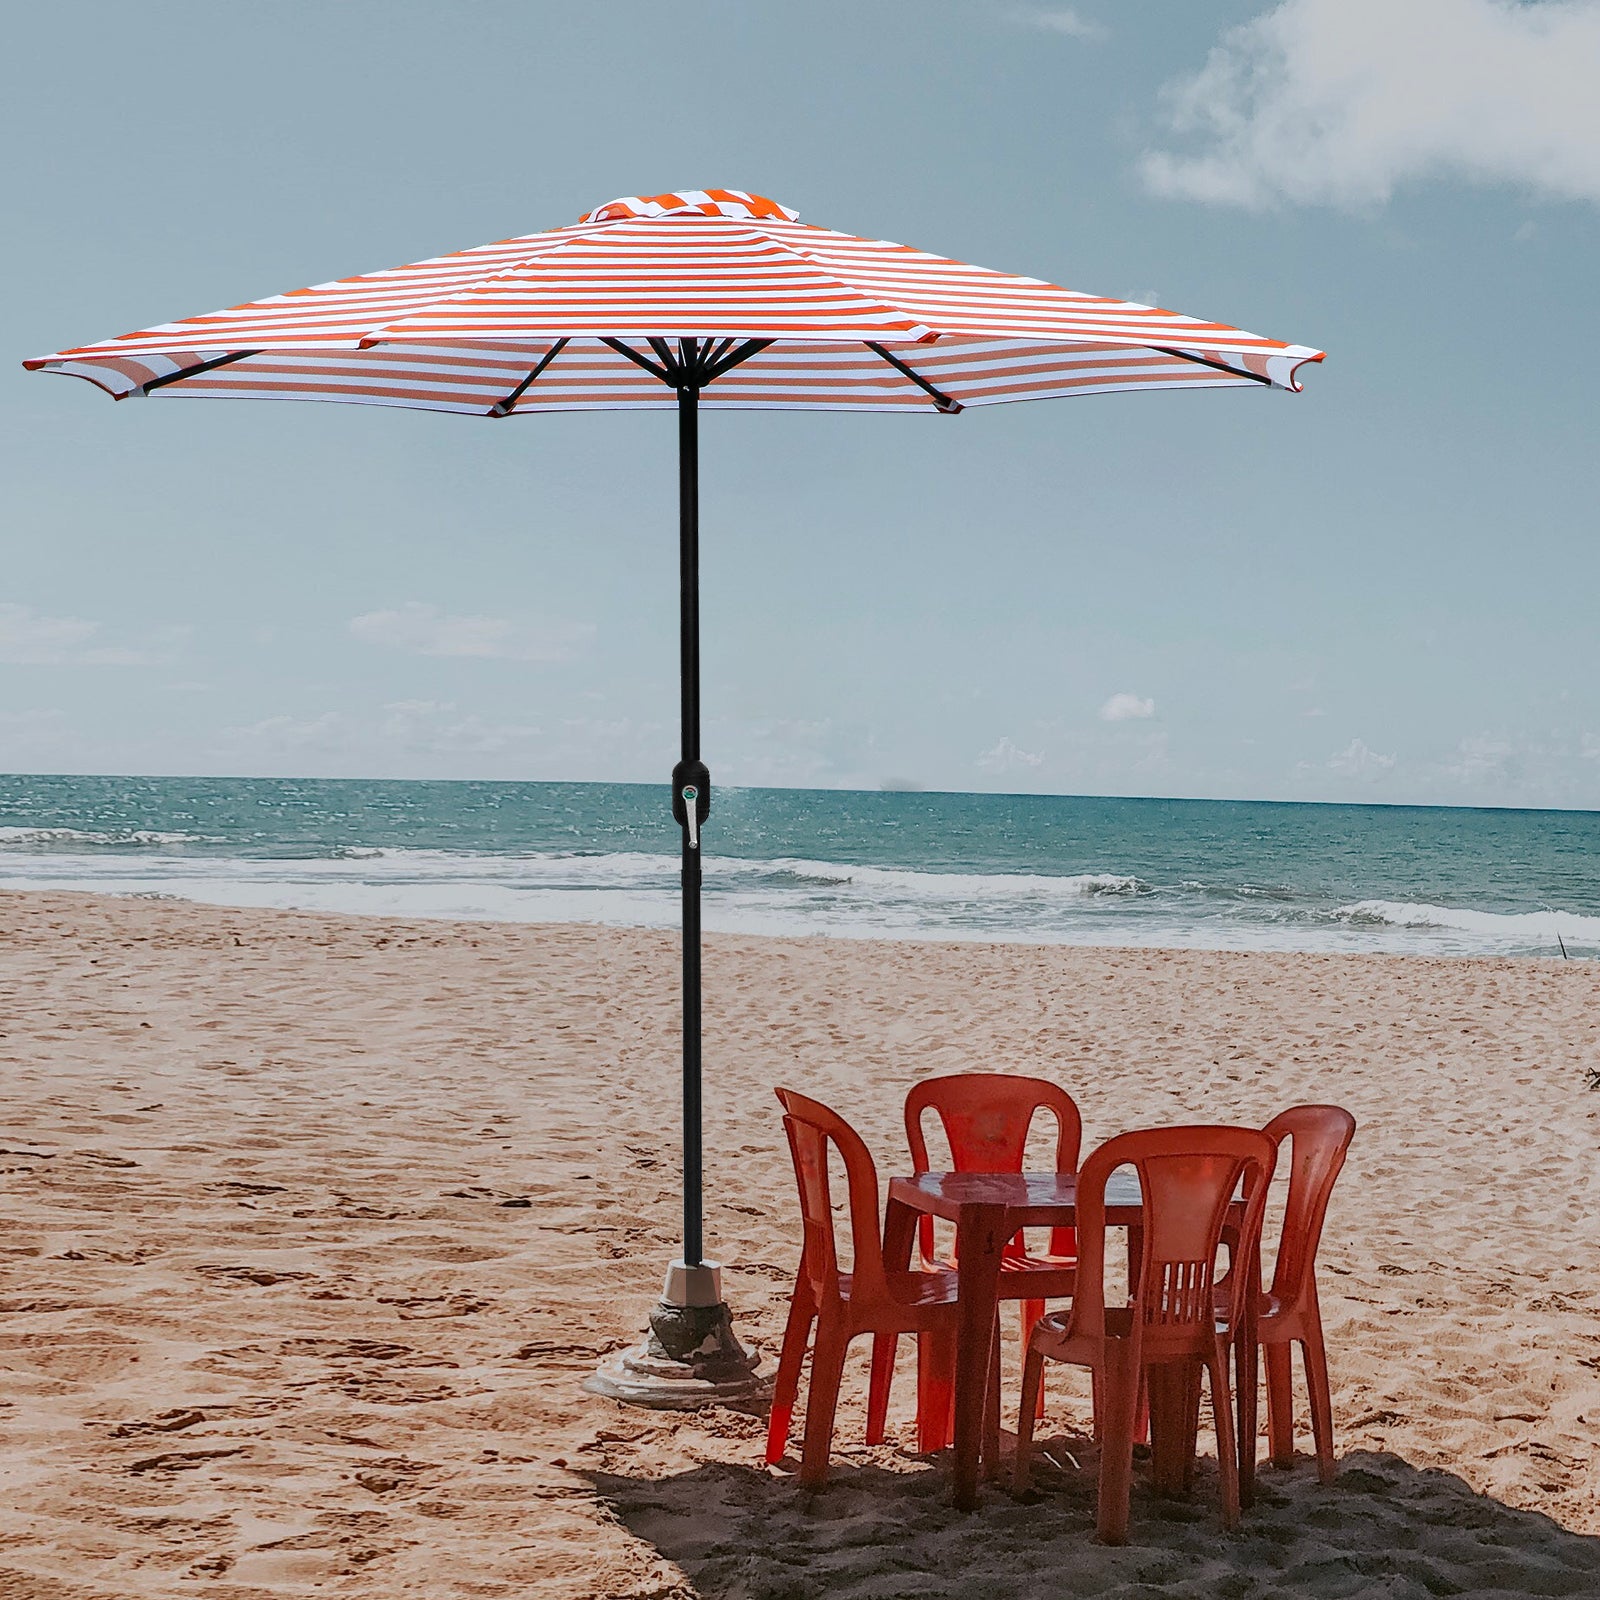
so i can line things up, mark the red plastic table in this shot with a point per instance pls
(988, 1208)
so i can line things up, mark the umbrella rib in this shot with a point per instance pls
(639, 360)
(943, 401)
(191, 372)
(502, 408)
(726, 363)
(1216, 366)
(672, 364)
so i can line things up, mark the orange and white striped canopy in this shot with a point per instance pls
(760, 309)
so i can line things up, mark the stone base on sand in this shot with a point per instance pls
(690, 1358)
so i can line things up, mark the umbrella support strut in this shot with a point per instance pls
(691, 1356)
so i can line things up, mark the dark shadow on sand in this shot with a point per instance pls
(1385, 1529)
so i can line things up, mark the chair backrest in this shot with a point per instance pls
(986, 1117)
(1320, 1137)
(811, 1128)
(1188, 1177)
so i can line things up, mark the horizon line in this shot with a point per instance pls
(886, 787)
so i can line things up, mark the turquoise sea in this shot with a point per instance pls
(1035, 869)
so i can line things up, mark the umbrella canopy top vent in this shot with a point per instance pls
(701, 202)
(718, 290)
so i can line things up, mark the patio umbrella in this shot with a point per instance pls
(703, 299)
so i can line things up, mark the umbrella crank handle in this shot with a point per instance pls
(691, 817)
(691, 799)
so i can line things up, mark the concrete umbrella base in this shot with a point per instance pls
(691, 1357)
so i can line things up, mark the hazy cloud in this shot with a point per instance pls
(1357, 760)
(1007, 757)
(799, 752)
(295, 735)
(426, 630)
(1127, 708)
(437, 727)
(1481, 758)
(1065, 20)
(30, 639)
(1337, 102)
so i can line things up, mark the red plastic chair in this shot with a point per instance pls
(873, 1297)
(1168, 1329)
(1289, 1312)
(986, 1117)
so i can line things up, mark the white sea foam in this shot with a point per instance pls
(948, 885)
(25, 838)
(1513, 928)
(785, 895)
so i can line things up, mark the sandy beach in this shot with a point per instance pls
(313, 1227)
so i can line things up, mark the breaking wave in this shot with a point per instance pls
(1513, 929)
(117, 839)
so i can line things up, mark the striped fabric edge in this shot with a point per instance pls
(485, 379)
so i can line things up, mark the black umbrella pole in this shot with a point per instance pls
(691, 797)
(691, 1356)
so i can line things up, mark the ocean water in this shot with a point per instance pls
(1032, 869)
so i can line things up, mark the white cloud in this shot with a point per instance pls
(1064, 20)
(1007, 757)
(1127, 708)
(30, 639)
(1357, 760)
(426, 630)
(1338, 102)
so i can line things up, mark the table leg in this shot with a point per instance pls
(1247, 1350)
(981, 1234)
(899, 1233)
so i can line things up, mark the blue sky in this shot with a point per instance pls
(1382, 589)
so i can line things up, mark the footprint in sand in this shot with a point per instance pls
(166, 1422)
(264, 1276)
(181, 1460)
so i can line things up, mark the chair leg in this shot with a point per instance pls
(884, 1346)
(1227, 1441)
(1032, 1310)
(796, 1331)
(936, 1389)
(1246, 1398)
(1280, 1404)
(827, 1368)
(990, 1451)
(1027, 1411)
(1119, 1387)
(1315, 1356)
